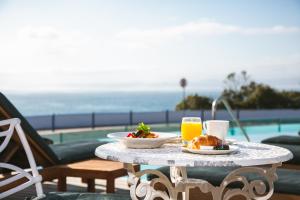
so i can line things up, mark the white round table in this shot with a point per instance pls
(249, 159)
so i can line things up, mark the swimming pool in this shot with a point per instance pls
(256, 132)
(259, 132)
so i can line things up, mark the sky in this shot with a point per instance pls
(139, 45)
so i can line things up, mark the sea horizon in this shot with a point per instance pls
(46, 103)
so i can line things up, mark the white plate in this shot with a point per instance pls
(231, 141)
(232, 149)
(143, 143)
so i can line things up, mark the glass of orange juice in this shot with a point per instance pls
(190, 127)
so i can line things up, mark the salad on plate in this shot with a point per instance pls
(142, 131)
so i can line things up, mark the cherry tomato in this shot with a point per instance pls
(131, 135)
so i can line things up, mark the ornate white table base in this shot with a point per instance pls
(255, 189)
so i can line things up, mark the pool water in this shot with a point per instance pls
(255, 133)
(259, 133)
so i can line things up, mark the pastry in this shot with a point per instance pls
(205, 140)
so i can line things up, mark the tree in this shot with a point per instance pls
(234, 81)
(234, 84)
(183, 84)
(242, 93)
(195, 102)
(294, 97)
(264, 96)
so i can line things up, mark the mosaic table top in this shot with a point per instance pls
(249, 154)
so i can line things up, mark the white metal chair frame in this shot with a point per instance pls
(34, 178)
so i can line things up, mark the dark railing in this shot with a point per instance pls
(92, 120)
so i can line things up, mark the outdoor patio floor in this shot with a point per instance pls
(74, 185)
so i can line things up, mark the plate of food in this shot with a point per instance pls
(209, 145)
(143, 137)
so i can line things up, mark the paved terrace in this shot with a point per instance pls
(74, 185)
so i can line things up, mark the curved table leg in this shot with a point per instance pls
(178, 177)
(146, 189)
(252, 189)
(180, 183)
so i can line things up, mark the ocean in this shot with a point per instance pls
(67, 103)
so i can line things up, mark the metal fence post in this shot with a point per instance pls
(60, 138)
(232, 131)
(279, 125)
(93, 120)
(130, 118)
(53, 122)
(167, 117)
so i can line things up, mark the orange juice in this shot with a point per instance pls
(189, 130)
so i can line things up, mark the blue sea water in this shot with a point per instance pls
(65, 103)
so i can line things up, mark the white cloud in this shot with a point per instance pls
(51, 59)
(201, 28)
(52, 40)
(42, 32)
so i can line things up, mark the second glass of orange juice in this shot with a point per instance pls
(190, 127)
